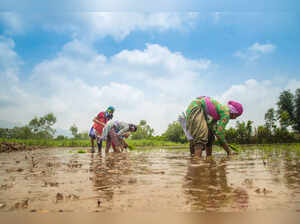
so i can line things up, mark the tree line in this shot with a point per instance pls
(37, 128)
(282, 125)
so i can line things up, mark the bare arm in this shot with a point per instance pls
(225, 147)
(97, 121)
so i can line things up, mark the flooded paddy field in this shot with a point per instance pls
(62, 180)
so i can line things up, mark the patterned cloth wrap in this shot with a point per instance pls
(216, 116)
(119, 127)
(92, 133)
(113, 133)
(197, 126)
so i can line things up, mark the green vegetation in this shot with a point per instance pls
(144, 131)
(282, 125)
(86, 143)
(37, 128)
(76, 134)
(175, 133)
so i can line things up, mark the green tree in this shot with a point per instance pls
(284, 119)
(61, 137)
(249, 131)
(241, 132)
(282, 135)
(263, 135)
(270, 119)
(83, 135)
(22, 132)
(285, 110)
(296, 125)
(74, 131)
(175, 133)
(144, 131)
(231, 135)
(41, 127)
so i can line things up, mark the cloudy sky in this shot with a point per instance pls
(149, 65)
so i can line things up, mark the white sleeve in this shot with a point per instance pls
(124, 128)
(182, 121)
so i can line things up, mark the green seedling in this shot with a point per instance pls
(234, 147)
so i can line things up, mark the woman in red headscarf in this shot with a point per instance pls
(205, 118)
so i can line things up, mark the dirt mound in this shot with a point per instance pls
(12, 146)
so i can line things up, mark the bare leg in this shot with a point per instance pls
(93, 146)
(211, 139)
(192, 149)
(99, 146)
(198, 150)
(108, 143)
(117, 149)
(208, 150)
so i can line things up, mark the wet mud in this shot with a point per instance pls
(11, 147)
(61, 180)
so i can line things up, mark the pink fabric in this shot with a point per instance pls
(211, 109)
(235, 107)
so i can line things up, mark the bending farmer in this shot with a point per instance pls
(206, 117)
(114, 132)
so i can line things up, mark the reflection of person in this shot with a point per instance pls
(206, 187)
(99, 122)
(115, 132)
(105, 182)
(206, 184)
(206, 117)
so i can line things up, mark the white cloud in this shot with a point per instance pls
(120, 25)
(154, 84)
(93, 25)
(255, 51)
(9, 60)
(9, 69)
(79, 82)
(262, 48)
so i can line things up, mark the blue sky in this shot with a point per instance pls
(148, 65)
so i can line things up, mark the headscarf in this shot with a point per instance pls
(235, 108)
(133, 126)
(110, 109)
(109, 112)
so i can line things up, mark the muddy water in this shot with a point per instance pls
(52, 180)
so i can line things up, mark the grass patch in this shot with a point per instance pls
(148, 144)
(133, 144)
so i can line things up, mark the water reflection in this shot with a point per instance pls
(155, 180)
(207, 188)
(108, 171)
(292, 171)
